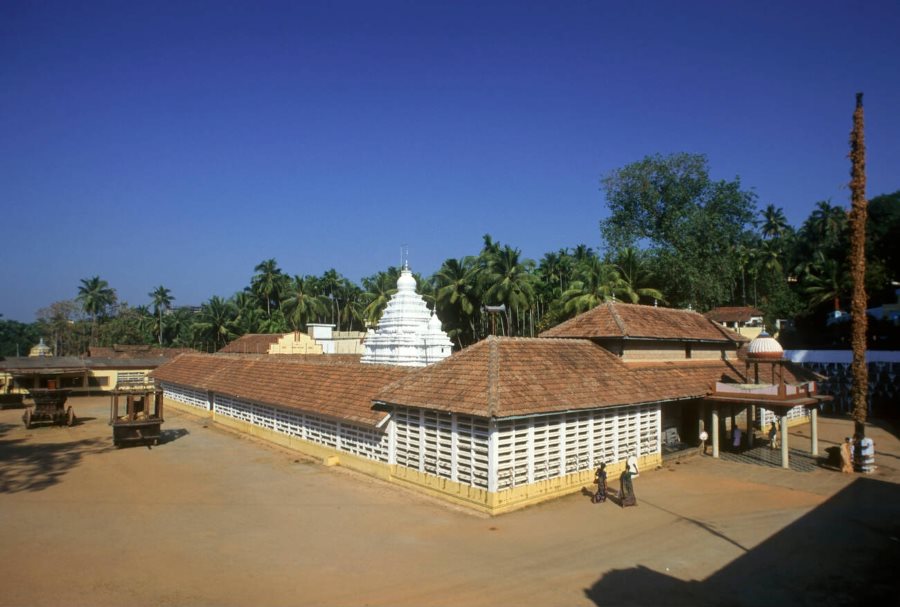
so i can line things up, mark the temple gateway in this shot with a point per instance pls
(507, 422)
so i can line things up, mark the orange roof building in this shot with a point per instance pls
(507, 422)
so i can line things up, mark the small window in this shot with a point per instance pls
(97, 382)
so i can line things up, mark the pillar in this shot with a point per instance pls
(814, 430)
(785, 462)
(493, 456)
(715, 430)
(749, 434)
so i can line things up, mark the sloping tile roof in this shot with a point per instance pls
(337, 388)
(633, 321)
(505, 377)
(135, 351)
(252, 343)
(733, 314)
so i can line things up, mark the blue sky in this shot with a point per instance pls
(181, 143)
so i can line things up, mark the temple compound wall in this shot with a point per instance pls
(490, 465)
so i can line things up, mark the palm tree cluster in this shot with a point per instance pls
(788, 273)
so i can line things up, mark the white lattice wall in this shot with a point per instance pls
(366, 442)
(538, 448)
(446, 445)
(131, 377)
(767, 416)
(195, 398)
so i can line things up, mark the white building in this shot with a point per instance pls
(408, 334)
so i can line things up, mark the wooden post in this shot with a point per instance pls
(715, 430)
(785, 462)
(749, 414)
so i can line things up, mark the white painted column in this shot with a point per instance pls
(638, 451)
(814, 430)
(421, 440)
(392, 437)
(617, 414)
(530, 450)
(562, 445)
(337, 439)
(493, 456)
(785, 461)
(715, 430)
(591, 463)
(454, 448)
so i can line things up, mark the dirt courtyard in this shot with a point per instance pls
(211, 517)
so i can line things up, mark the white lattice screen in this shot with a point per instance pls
(581, 440)
(195, 398)
(768, 416)
(366, 442)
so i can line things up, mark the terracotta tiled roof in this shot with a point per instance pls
(733, 314)
(337, 388)
(505, 377)
(631, 321)
(135, 351)
(252, 343)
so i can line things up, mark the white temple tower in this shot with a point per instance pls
(407, 333)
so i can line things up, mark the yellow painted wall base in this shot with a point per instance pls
(475, 498)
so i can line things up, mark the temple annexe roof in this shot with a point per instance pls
(339, 389)
(615, 320)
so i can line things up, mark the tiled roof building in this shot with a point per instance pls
(506, 422)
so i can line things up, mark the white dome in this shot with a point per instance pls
(765, 346)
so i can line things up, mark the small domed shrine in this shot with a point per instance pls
(408, 334)
(40, 350)
(765, 347)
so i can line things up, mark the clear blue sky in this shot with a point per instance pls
(181, 143)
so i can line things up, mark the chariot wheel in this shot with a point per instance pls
(70, 416)
(26, 417)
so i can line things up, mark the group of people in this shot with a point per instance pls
(626, 485)
(858, 454)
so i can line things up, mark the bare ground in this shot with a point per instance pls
(211, 517)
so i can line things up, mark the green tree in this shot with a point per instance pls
(508, 281)
(96, 298)
(774, 224)
(636, 276)
(303, 304)
(214, 324)
(162, 299)
(457, 297)
(266, 283)
(378, 291)
(595, 283)
(689, 221)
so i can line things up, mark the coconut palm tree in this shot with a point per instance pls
(631, 265)
(456, 289)
(96, 297)
(303, 304)
(508, 281)
(215, 321)
(162, 299)
(378, 291)
(825, 280)
(774, 224)
(266, 282)
(595, 283)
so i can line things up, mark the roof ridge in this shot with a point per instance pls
(493, 378)
(611, 305)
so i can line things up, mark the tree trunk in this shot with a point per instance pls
(858, 216)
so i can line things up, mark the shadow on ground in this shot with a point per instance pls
(168, 436)
(842, 553)
(28, 466)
